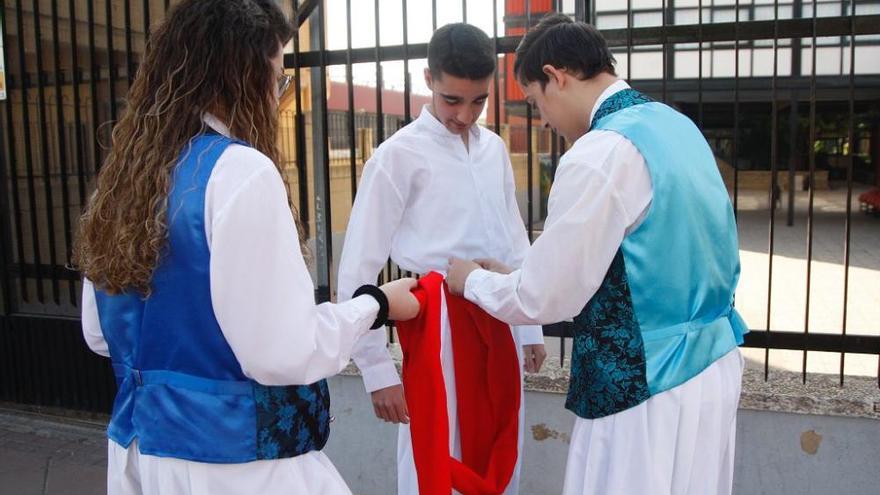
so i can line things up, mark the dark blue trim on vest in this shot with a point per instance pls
(608, 355)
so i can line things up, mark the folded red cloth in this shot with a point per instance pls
(487, 382)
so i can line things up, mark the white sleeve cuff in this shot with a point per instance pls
(366, 310)
(530, 334)
(380, 375)
(473, 282)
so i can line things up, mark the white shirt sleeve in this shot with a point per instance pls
(591, 208)
(519, 240)
(262, 294)
(375, 216)
(91, 325)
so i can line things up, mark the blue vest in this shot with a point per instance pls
(181, 392)
(664, 311)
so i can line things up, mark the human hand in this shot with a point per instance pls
(457, 274)
(533, 357)
(402, 304)
(389, 404)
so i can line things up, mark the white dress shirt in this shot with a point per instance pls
(601, 192)
(423, 198)
(263, 299)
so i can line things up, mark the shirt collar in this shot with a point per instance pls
(214, 123)
(618, 86)
(430, 122)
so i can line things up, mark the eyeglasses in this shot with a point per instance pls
(283, 83)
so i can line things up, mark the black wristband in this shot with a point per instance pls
(380, 297)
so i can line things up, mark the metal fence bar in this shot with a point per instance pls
(94, 75)
(773, 181)
(812, 175)
(14, 180)
(664, 59)
(129, 63)
(300, 125)
(496, 81)
(735, 144)
(699, 65)
(349, 79)
(380, 119)
(530, 189)
(407, 83)
(76, 75)
(45, 154)
(649, 35)
(29, 161)
(62, 150)
(847, 235)
(326, 211)
(146, 8)
(111, 63)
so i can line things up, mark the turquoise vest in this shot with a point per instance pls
(664, 312)
(181, 392)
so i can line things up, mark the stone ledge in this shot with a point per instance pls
(784, 391)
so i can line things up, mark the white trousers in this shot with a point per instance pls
(131, 473)
(679, 442)
(407, 480)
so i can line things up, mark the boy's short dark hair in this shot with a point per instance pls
(461, 50)
(565, 44)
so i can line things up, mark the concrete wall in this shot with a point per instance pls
(777, 453)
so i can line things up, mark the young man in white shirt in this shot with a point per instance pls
(640, 250)
(442, 186)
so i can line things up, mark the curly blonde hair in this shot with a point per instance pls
(208, 56)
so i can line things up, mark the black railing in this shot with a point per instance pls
(69, 66)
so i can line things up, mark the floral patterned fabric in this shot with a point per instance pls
(291, 421)
(608, 357)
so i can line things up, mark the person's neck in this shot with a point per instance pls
(594, 88)
(464, 137)
(588, 93)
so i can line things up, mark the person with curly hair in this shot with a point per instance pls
(196, 286)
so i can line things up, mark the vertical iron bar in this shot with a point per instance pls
(735, 150)
(407, 86)
(94, 78)
(463, 10)
(129, 66)
(529, 152)
(496, 80)
(327, 211)
(700, 65)
(849, 187)
(62, 149)
(77, 111)
(111, 68)
(14, 177)
(664, 62)
(380, 85)
(812, 174)
(5, 232)
(433, 15)
(349, 79)
(28, 148)
(773, 183)
(629, 40)
(146, 22)
(45, 155)
(300, 124)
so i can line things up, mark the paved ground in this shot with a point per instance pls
(45, 455)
